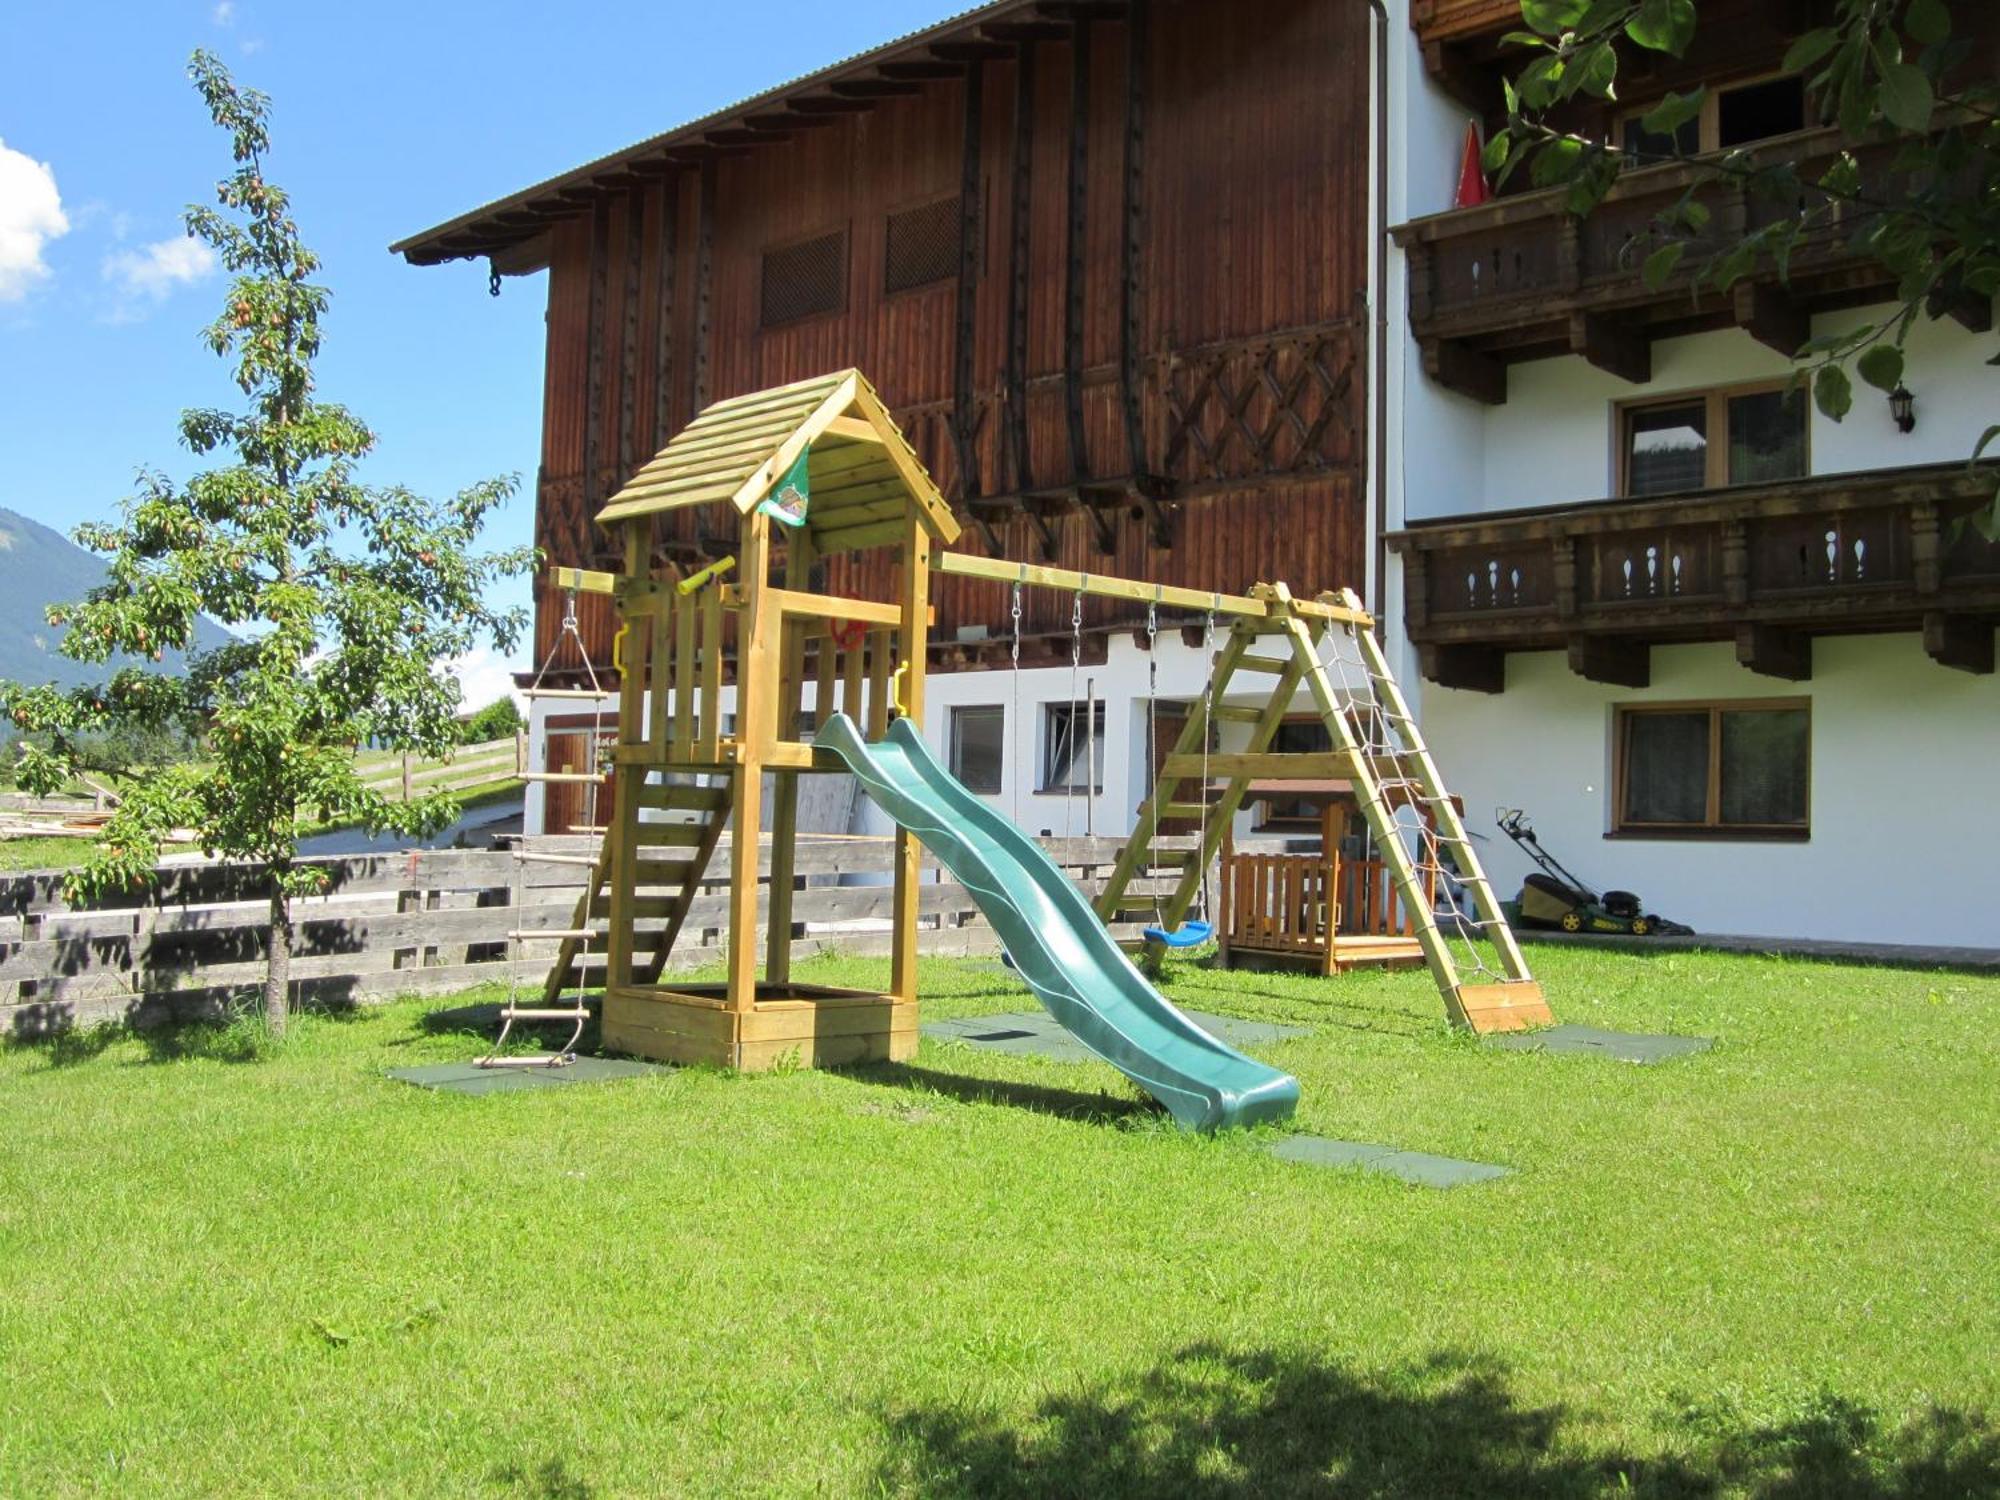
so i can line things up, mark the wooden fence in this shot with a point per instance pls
(428, 921)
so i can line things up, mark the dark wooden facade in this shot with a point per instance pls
(1149, 357)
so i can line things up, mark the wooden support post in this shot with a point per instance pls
(916, 605)
(1959, 642)
(1775, 652)
(1611, 659)
(785, 787)
(622, 836)
(669, 191)
(593, 379)
(1616, 348)
(631, 299)
(756, 709)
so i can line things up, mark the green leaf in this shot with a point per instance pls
(1881, 365)
(1832, 393)
(1552, 17)
(1673, 111)
(1557, 161)
(1596, 71)
(1907, 100)
(1809, 49)
(1660, 264)
(1663, 25)
(1494, 157)
(1927, 21)
(1984, 438)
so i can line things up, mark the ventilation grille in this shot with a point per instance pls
(804, 279)
(923, 245)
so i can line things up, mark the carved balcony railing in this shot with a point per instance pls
(1768, 566)
(1521, 278)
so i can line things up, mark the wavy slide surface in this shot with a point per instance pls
(1057, 943)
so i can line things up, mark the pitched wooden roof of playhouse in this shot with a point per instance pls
(864, 478)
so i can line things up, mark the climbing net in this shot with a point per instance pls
(1388, 740)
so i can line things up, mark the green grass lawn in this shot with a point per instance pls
(1769, 1269)
(56, 852)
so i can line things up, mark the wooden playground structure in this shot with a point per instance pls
(818, 468)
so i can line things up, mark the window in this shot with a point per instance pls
(1736, 116)
(1748, 435)
(1714, 768)
(922, 246)
(978, 741)
(1070, 732)
(1303, 736)
(803, 279)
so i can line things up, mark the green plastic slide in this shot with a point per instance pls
(1056, 941)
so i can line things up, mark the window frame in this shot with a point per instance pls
(1708, 124)
(958, 712)
(1716, 399)
(1711, 828)
(1045, 783)
(844, 229)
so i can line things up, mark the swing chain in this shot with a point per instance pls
(1017, 627)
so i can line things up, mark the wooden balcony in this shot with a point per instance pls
(1521, 278)
(1767, 566)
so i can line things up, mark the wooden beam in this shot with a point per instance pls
(1617, 348)
(1020, 221)
(593, 380)
(1474, 669)
(1266, 765)
(1775, 652)
(1959, 642)
(1131, 337)
(704, 281)
(1459, 367)
(1611, 659)
(1771, 317)
(664, 368)
(966, 296)
(1074, 258)
(1105, 586)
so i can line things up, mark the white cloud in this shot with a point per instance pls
(31, 214)
(224, 12)
(482, 676)
(150, 272)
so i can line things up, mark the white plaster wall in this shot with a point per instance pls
(1552, 442)
(1901, 829)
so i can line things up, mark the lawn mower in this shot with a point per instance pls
(1556, 898)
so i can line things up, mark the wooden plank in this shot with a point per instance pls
(1105, 586)
(828, 607)
(708, 741)
(913, 645)
(1325, 765)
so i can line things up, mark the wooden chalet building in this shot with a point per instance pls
(1107, 260)
(1727, 653)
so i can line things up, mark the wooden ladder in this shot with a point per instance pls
(670, 855)
(1401, 772)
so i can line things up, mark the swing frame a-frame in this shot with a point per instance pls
(1510, 999)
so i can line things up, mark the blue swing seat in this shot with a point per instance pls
(1187, 935)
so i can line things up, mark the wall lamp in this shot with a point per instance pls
(1903, 407)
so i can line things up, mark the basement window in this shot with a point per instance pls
(922, 246)
(1072, 737)
(978, 746)
(803, 280)
(1740, 768)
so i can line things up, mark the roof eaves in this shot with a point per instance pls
(424, 248)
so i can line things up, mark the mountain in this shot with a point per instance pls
(40, 567)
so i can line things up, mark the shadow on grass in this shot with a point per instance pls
(1066, 1104)
(1210, 1422)
(239, 1038)
(549, 1480)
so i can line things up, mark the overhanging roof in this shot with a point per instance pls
(864, 479)
(511, 228)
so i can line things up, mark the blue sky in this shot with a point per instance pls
(388, 119)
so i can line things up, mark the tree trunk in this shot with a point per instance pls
(278, 963)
